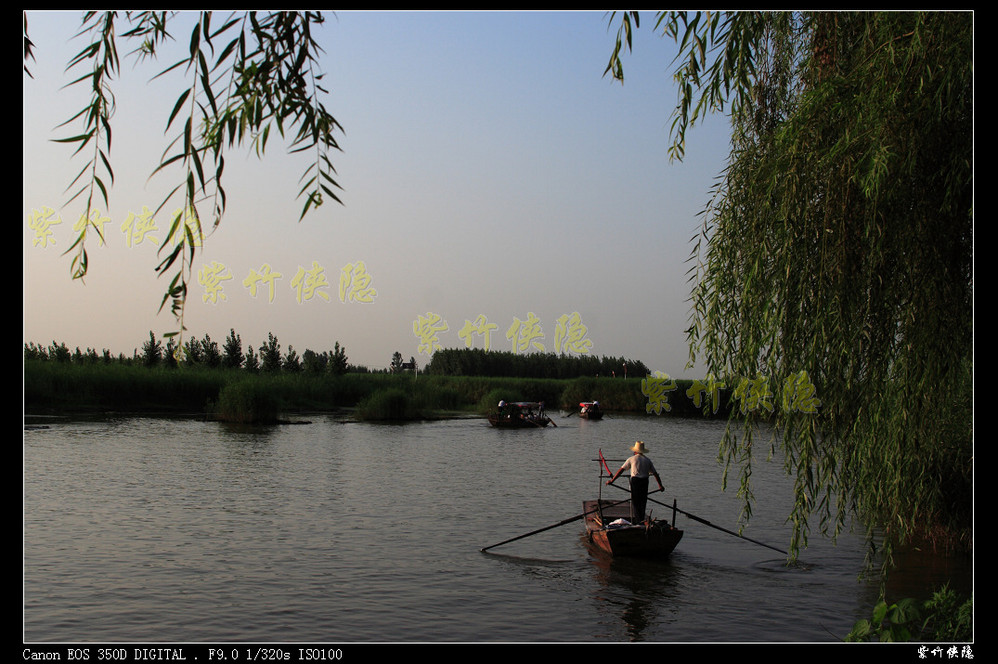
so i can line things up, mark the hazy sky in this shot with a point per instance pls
(488, 170)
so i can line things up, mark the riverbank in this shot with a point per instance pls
(52, 388)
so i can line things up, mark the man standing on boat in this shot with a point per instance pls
(639, 467)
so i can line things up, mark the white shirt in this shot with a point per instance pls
(639, 465)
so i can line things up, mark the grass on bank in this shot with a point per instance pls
(236, 395)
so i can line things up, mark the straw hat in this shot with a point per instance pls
(639, 447)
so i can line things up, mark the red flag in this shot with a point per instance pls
(608, 471)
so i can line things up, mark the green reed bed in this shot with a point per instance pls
(61, 387)
(242, 396)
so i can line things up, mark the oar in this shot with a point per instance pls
(554, 525)
(541, 426)
(725, 530)
(708, 523)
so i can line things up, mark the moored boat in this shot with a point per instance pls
(520, 415)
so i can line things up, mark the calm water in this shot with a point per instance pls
(177, 530)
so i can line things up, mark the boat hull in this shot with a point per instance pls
(655, 539)
(520, 415)
(519, 422)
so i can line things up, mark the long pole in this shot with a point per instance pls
(725, 530)
(708, 523)
(555, 525)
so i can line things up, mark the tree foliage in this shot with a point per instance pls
(242, 76)
(943, 618)
(205, 353)
(337, 360)
(152, 351)
(479, 362)
(838, 241)
(270, 355)
(232, 351)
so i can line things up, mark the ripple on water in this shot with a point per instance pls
(146, 529)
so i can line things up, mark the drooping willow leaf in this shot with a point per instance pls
(240, 77)
(839, 241)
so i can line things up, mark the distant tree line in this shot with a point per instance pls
(479, 362)
(207, 353)
(270, 358)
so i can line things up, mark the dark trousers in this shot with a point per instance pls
(639, 498)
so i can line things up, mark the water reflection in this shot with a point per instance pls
(638, 592)
(144, 529)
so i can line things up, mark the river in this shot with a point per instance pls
(181, 530)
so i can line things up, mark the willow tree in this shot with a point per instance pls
(241, 75)
(836, 251)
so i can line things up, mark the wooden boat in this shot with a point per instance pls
(609, 532)
(520, 415)
(590, 410)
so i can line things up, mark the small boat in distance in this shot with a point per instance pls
(520, 415)
(590, 410)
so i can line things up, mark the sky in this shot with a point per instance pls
(489, 173)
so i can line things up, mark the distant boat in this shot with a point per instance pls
(590, 410)
(520, 415)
